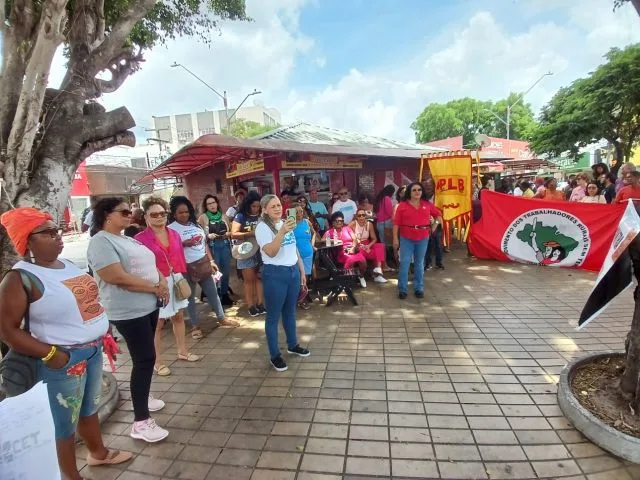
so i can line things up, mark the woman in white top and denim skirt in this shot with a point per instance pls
(282, 277)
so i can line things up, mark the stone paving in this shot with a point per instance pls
(460, 385)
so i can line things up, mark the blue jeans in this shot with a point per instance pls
(380, 227)
(412, 250)
(281, 289)
(208, 286)
(74, 390)
(435, 245)
(222, 255)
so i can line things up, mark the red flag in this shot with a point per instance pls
(559, 234)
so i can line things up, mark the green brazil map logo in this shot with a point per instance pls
(547, 237)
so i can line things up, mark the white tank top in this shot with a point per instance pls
(69, 311)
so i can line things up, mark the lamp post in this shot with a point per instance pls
(507, 122)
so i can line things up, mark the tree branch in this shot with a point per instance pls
(103, 125)
(26, 120)
(110, 49)
(120, 70)
(126, 138)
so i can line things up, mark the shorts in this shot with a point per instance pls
(251, 262)
(307, 262)
(74, 390)
(174, 306)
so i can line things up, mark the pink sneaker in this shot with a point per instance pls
(148, 431)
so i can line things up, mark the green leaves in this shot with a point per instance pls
(246, 128)
(606, 104)
(468, 117)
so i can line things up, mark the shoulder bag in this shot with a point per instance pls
(181, 288)
(19, 372)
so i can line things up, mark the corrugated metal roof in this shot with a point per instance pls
(306, 133)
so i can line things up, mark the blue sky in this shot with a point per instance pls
(372, 65)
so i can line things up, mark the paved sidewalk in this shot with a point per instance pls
(460, 385)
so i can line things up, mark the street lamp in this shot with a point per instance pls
(507, 122)
(222, 95)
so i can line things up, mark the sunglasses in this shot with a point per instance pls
(124, 212)
(158, 214)
(338, 220)
(361, 215)
(52, 232)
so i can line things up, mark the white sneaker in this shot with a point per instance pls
(148, 431)
(377, 270)
(380, 279)
(155, 404)
(363, 282)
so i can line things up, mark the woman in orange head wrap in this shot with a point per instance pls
(67, 323)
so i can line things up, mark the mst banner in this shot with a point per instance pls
(452, 181)
(559, 234)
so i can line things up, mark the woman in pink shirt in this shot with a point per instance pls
(350, 255)
(166, 245)
(579, 192)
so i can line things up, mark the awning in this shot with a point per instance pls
(211, 149)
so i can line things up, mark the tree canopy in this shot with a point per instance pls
(46, 132)
(468, 117)
(246, 128)
(603, 105)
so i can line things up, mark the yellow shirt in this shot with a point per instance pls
(528, 193)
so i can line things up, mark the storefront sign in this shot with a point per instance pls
(253, 164)
(326, 162)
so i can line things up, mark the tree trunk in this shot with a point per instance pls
(630, 380)
(620, 159)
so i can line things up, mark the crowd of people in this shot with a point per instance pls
(598, 186)
(146, 264)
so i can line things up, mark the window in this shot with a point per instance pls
(207, 131)
(185, 136)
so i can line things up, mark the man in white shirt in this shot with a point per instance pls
(345, 205)
(517, 192)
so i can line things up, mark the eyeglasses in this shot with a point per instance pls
(158, 214)
(212, 202)
(124, 212)
(52, 232)
(361, 215)
(343, 193)
(338, 220)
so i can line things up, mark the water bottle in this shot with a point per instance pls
(327, 241)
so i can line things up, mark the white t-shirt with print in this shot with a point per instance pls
(188, 232)
(348, 209)
(287, 255)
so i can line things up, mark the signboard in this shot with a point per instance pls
(254, 163)
(325, 162)
(80, 185)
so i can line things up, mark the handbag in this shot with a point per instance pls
(181, 288)
(19, 372)
(200, 269)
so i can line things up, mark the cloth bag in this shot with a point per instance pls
(181, 288)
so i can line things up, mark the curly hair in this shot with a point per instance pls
(245, 206)
(178, 200)
(154, 200)
(203, 207)
(264, 201)
(101, 211)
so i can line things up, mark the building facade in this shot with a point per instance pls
(176, 131)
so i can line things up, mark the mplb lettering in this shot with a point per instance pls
(446, 184)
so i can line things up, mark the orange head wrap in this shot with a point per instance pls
(20, 222)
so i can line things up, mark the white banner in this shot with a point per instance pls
(27, 437)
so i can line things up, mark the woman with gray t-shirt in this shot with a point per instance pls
(132, 290)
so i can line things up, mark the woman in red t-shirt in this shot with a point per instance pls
(411, 229)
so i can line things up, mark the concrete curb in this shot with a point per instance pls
(608, 438)
(109, 401)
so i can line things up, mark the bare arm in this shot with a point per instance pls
(272, 248)
(13, 306)
(303, 277)
(236, 234)
(373, 237)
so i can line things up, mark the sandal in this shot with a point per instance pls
(189, 357)
(162, 370)
(196, 333)
(228, 323)
(114, 457)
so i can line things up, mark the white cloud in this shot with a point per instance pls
(476, 56)
(482, 60)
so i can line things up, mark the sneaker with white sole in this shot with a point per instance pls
(363, 282)
(300, 351)
(155, 404)
(278, 364)
(377, 270)
(380, 279)
(148, 431)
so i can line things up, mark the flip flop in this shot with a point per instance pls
(189, 357)
(162, 370)
(114, 457)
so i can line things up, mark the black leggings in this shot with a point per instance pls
(139, 334)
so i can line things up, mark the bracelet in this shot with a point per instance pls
(51, 353)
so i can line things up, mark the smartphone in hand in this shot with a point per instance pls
(291, 214)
